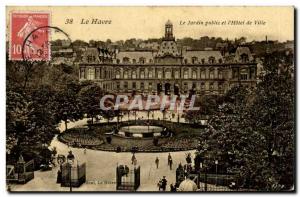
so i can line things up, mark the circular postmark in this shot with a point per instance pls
(37, 44)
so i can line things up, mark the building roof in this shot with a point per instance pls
(168, 48)
(135, 55)
(91, 52)
(242, 50)
(189, 54)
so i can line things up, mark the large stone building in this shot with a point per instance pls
(169, 70)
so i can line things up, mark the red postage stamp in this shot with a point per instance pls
(29, 36)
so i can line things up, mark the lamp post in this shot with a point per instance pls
(216, 162)
(70, 160)
(205, 176)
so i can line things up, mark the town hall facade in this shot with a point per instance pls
(169, 70)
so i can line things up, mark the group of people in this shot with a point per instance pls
(170, 161)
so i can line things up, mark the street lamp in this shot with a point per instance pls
(205, 176)
(216, 162)
(70, 160)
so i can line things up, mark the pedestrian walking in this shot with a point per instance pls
(157, 162)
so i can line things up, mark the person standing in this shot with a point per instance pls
(169, 158)
(171, 163)
(133, 159)
(164, 183)
(157, 162)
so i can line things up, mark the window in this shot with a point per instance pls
(133, 74)
(220, 86)
(142, 74)
(202, 86)
(125, 60)
(176, 74)
(125, 74)
(118, 85)
(244, 74)
(159, 74)
(244, 57)
(150, 86)
(97, 73)
(186, 74)
(150, 74)
(211, 74)
(211, 60)
(202, 60)
(125, 85)
(133, 61)
(194, 74)
(194, 86)
(185, 61)
(117, 74)
(220, 74)
(82, 73)
(194, 60)
(133, 85)
(142, 60)
(91, 73)
(220, 60)
(118, 61)
(211, 86)
(202, 74)
(168, 74)
(142, 86)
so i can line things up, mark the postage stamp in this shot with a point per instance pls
(29, 37)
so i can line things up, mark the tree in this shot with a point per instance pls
(90, 97)
(254, 131)
(69, 106)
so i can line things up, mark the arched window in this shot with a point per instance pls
(133, 61)
(142, 74)
(212, 60)
(202, 74)
(142, 60)
(220, 74)
(194, 60)
(185, 61)
(159, 74)
(125, 60)
(118, 75)
(133, 75)
(150, 74)
(185, 74)
(194, 74)
(126, 74)
(211, 74)
(202, 60)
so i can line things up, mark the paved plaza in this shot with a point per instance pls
(101, 165)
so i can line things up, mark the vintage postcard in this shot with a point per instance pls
(150, 99)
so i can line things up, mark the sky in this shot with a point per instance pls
(148, 22)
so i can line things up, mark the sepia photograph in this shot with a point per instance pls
(150, 99)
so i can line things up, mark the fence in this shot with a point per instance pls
(127, 179)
